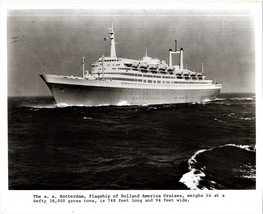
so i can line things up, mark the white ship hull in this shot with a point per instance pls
(76, 91)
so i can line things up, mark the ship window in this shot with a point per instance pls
(149, 81)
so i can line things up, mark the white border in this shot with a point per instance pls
(237, 201)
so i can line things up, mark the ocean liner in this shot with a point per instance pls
(118, 81)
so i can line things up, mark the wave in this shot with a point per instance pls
(197, 177)
(241, 117)
(87, 118)
(64, 105)
(37, 107)
(123, 103)
(244, 169)
(233, 100)
(220, 99)
(192, 178)
(250, 148)
(220, 121)
(242, 98)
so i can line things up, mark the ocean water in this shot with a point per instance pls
(168, 147)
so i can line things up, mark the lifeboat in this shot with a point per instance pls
(162, 67)
(128, 64)
(192, 74)
(143, 65)
(186, 73)
(170, 69)
(179, 73)
(152, 67)
(200, 76)
(134, 64)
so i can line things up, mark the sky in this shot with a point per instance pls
(54, 41)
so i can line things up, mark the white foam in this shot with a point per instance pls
(240, 118)
(87, 118)
(247, 118)
(192, 179)
(206, 100)
(193, 160)
(196, 103)
(62, 105)
(123, 103)
(220, 99)
(106, 104)
(241, 98)
(248, 171)
(249, 176)
(245, 147)
(221, 121)
(42, 106)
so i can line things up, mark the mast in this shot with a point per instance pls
(83, 67)
(112, 38)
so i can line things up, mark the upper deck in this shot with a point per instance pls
(145, 70)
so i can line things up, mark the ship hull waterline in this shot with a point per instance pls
(78, 93)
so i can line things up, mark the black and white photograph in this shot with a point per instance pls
(131, 99)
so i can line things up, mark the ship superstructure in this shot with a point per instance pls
(118, 81)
